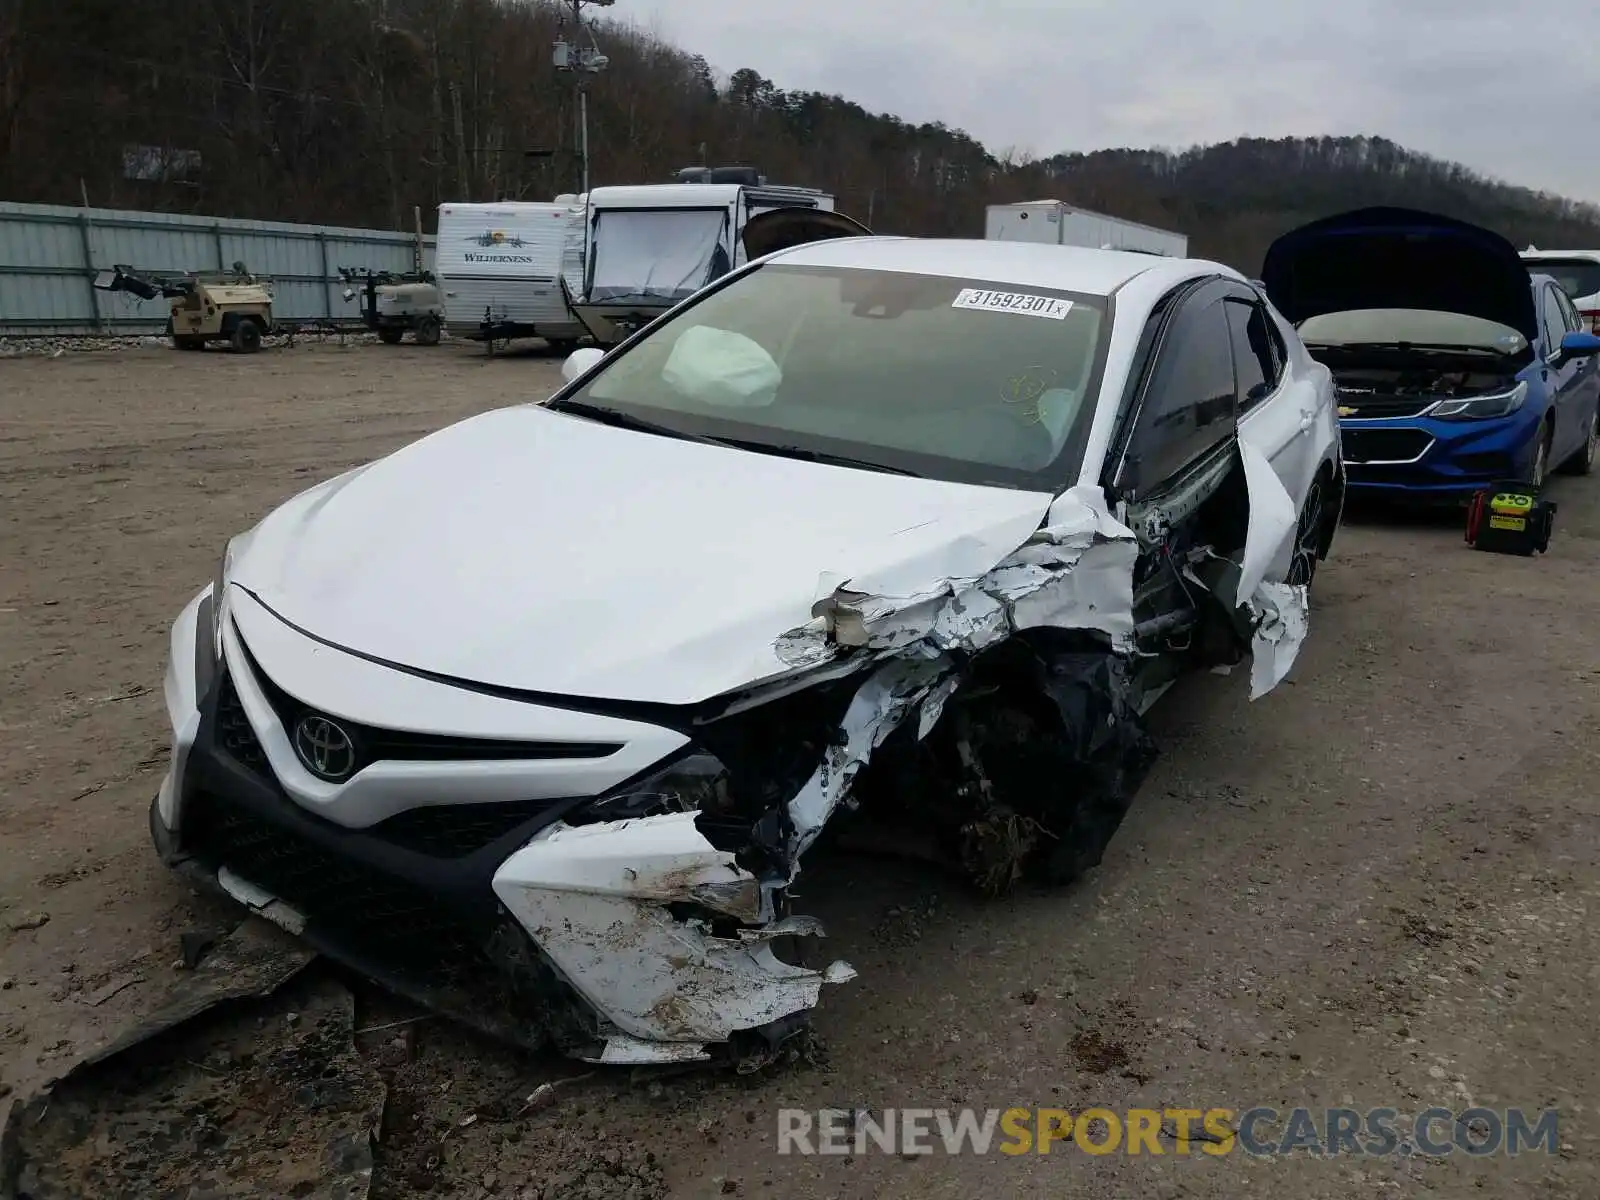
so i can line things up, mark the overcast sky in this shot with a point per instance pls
(1480, 81)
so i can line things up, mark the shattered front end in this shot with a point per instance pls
(626, 892)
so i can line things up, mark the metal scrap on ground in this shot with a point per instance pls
(250, 1109)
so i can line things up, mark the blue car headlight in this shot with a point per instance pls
(1476, 408)
(697, 782)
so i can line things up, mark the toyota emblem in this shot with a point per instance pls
(326, 749)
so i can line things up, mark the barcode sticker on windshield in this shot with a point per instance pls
(1013, 302)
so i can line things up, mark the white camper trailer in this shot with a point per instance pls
(499, 266)
(648, 247)
(1050, 222)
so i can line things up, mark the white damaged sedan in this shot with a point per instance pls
(536, 719)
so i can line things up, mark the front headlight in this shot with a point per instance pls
(698, 782)
(1474, 408)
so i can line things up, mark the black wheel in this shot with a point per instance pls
(1309, 533)
(428, 331)
(390, 336)
(1582, 463)
(246, 337)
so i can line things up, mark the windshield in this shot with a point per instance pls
(1385, 326)
(1578, 277)
(660, 254)
(947, 378)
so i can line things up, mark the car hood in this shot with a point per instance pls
(531, 549)
(1399, 258)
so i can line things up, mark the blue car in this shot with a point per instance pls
(1455, 367)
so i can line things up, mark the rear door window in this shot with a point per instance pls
(1555, 320)
(1257, 367)
(1190, 402)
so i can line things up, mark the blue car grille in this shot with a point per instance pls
(1385, 406)
(1383, 445)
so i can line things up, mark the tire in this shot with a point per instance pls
(1582, 462)
(1540, 470)
(1311, 530)
(427, 331)
(390, 336)
(246, 337)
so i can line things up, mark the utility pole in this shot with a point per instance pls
(583, 61)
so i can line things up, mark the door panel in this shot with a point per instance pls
(1281, 422)
(1563, 382)
(1586, 397)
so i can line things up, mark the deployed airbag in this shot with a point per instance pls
(721, 368)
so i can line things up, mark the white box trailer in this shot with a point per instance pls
(1053, 223)
(499, 268)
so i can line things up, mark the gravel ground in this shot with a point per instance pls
(1373, 887)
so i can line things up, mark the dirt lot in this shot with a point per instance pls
(1373, 887)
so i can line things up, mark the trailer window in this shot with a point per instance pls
(663, 254)
(950, 378)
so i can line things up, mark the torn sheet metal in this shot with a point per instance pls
(876, 710)
(246, 1109)
(1075, 571)
(1281, 609)
(596, 899)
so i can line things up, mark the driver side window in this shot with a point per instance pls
(1189, 402)
(1555, 323)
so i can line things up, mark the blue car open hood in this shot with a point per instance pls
(1399, 258)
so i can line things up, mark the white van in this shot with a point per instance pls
(648, 247)
(499, 268)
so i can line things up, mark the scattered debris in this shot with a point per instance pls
(545, 1093)
(100, 995)
(29, 921)
(125, 1140)
(193, 946)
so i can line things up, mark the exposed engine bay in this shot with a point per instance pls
(1354, 383)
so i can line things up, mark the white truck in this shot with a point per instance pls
(1054, 223)
(647, 247)
(499, 267)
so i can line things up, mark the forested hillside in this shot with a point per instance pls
(354, 111)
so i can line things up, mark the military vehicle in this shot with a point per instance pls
(394, 302)
(223, 306)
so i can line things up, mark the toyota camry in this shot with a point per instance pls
(536, 718)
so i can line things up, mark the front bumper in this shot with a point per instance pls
(499, 913)
(1421, 458)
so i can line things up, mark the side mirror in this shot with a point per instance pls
(581, 362)
(1577, 345)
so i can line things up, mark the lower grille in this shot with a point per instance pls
(234, 733)
(1384, 445)
(457, 830)
(386, 916)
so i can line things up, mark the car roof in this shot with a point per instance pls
(1024, 264)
